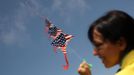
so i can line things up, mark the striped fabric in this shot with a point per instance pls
(60, 40)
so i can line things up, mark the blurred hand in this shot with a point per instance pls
(84, 69)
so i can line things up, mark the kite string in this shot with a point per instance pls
(36, 12)
(76, 54)
(80, 58)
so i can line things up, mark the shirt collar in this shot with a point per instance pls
(128, 59)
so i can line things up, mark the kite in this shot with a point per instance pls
(59, 40)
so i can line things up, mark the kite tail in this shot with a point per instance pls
(66, 59)
(55, 49)
(67, 63)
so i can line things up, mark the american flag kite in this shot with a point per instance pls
(60, 39)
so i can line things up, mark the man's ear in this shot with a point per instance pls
(121, 44)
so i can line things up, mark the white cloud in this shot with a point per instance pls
(66, 6)
(33, 7)
(13, 28)
(69, 9)
(14, 32)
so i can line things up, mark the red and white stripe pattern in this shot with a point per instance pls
(63, 49)
(60, 40)
(68, 37)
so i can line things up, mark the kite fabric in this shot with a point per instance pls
(59, 40)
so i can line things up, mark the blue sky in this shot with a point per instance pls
(25, 48)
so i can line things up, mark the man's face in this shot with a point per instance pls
(108, 52)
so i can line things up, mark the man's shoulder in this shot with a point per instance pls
(129, 70)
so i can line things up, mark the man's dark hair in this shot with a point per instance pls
(114, 25)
